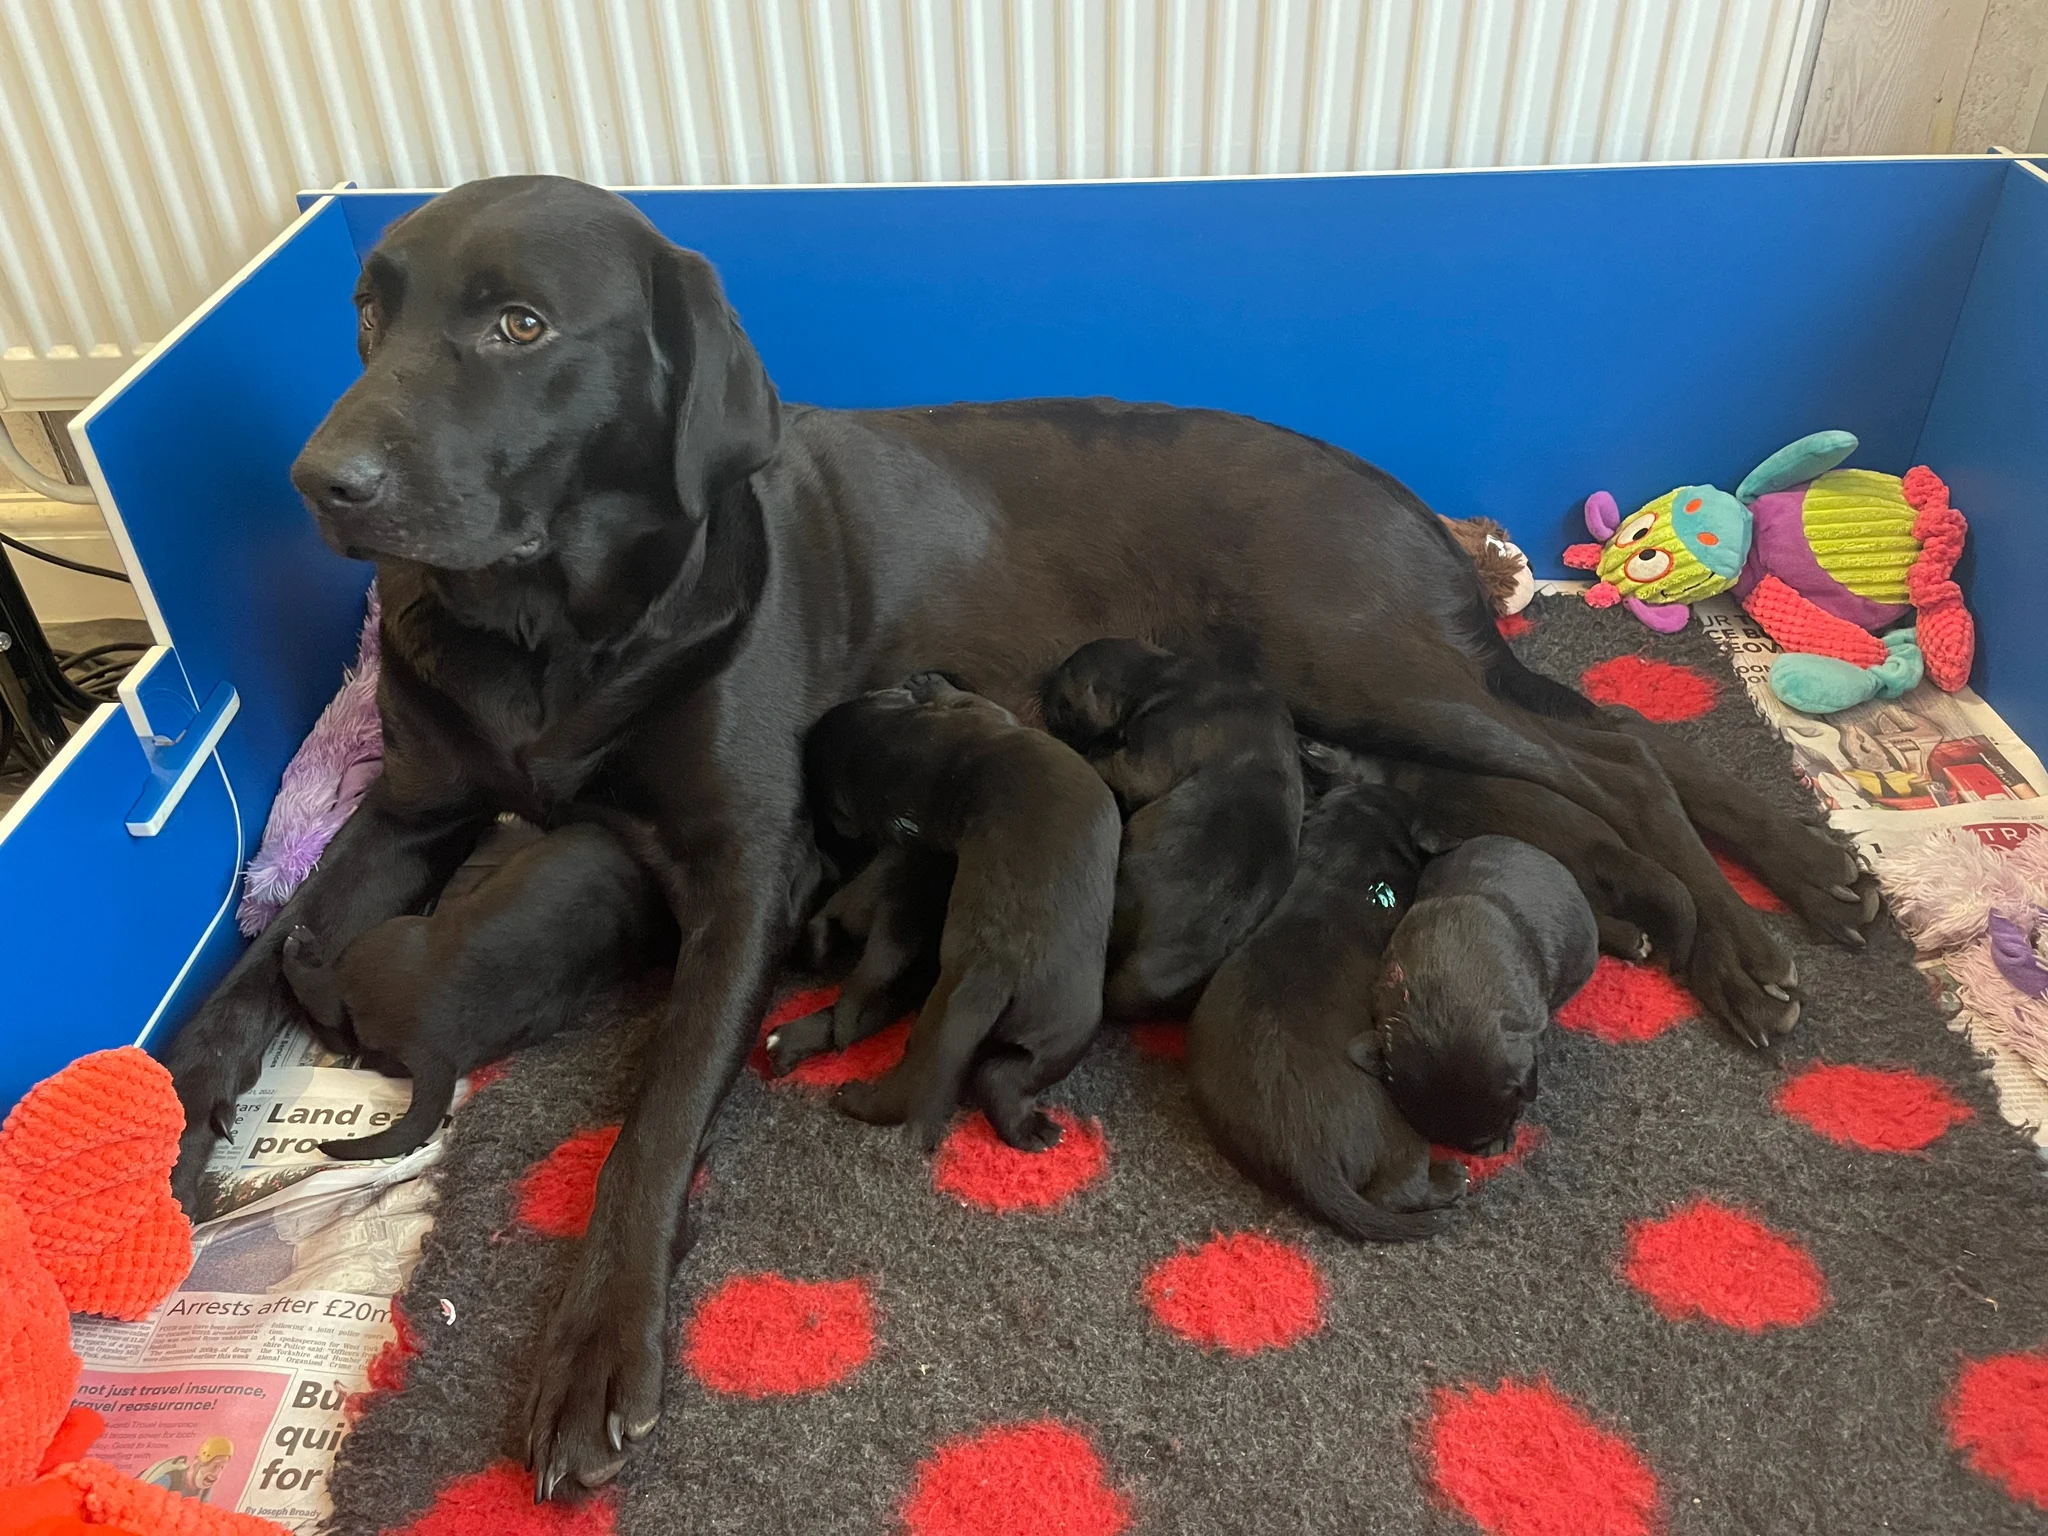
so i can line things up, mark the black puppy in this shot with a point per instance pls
(1035, 834)
(508, 964)
(1269, 1043)
(1205, 766)
(895, 909)
(1640, 906)
(1499, 938)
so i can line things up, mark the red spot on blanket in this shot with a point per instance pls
(1877, 1109)
(1164, 1041)
(1513, 626)
(1523, 1460)
(1625, 1004)
(1241, 1293)
(498, 1501)
(1016, 1480)
(770, 1336)
(487, 1074)
(1998, 1418)
(1479, 1168)
(1747, 885)
(977, 1167)
(555, 1196)
(1705, 1260)
(1657, 690)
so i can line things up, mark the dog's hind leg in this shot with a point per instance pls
(1737, 968)
(1812, 872)
(923, 1089)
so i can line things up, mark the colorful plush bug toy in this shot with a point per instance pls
(1827, 560)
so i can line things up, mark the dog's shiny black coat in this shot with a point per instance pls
(1204, 766)
(616, 571)
(1033, 835)
(1269, 1044)
(1499, 938)
(565, 920)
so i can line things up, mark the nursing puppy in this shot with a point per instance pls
(1640, 906)
(1498, 939)
(1205, 766)
(1269, 1046)
(1034, 834)
(519, 958)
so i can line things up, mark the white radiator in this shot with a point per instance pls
(149, 147)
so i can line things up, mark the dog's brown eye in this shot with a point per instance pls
(521, 326)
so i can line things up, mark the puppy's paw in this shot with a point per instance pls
(798, 1041)
(1620, 937)
(1448, 1182)
(869, 1102)
(1032, 1131)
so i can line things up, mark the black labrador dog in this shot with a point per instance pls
(1271, 1057)
(1033, 834)
(1205, 765)
(616, 569)
(565, 920)
(1499, 938)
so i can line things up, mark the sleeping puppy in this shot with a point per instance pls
(894, 909)
(507, 964)
(1498, 939)
(1640, 906)
(1269, 1045)
(1205, 766)
(1034, 836)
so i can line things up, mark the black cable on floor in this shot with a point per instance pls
(71, 659)
(70, 565)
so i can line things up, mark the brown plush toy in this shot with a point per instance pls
(1502, 567)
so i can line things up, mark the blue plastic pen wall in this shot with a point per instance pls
(1503, 341)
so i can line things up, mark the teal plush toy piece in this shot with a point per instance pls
(1820, 685)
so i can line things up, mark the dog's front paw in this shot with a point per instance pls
(1743, 977)
(598, 1387)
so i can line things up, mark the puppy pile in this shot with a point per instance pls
(1369, 963)
(1366, 962)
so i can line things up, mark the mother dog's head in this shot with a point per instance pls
(533, 351)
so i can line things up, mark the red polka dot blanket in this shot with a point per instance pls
(1705, 1291)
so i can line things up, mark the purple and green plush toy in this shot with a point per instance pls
(1828, 560)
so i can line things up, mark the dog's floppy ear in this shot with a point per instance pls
(727, 417)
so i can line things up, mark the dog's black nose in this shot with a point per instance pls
(346, 481)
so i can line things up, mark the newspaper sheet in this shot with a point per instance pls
(235, 1389)
(1891, 771)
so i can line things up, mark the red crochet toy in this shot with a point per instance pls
(87, 1224)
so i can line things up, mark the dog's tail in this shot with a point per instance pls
(433, 1091)
(1330, 1199)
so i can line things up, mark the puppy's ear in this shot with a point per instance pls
(727, 419)
(1431, 839)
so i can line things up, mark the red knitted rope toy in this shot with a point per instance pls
(87, 1224)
